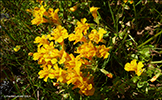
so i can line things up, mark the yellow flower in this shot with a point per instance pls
(30, 54)
(59, 34)
(82, 26)
(42, 40)
(139, 70)
(130, 1)
(54, 16)
(38, 14)
(17, 48)
(87, 50)
(86, 87)
(60, 74)
(46, 73)
(39, 20)
(74, 63)
(84, 83)
(78, 37)
(102, 51)
(94, 11)
(125, 1)
(96, 36)
(81, 29)
(64, 57)
(133, 66)
(46, 54)
(74, 8)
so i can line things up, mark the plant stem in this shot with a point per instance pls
(150, 39)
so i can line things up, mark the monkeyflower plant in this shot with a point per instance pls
(57, 63)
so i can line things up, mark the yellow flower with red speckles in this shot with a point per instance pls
(133, 66)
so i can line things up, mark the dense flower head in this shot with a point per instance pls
(133, 66)
(94, 11)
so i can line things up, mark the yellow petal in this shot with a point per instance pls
(54, 60)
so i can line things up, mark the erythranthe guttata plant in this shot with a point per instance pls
(56, 63)
(77, 67)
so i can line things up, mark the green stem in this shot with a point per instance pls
(156, 62)
(111, 13)
(150, 39)
(135, 15)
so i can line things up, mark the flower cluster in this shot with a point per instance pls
(133, 66)
(43, 16)
(56, 62)
(73, 68)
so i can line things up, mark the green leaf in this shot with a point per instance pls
(135, 79)
(140, 84)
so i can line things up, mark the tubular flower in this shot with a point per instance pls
(73, 77)
(74, 63)
(108, 74)
(87, 50)
(81, 28)
(64, 57)
(102, 51)
(38, 14)
(54, 16)
(59, 34)
(96, 36)
(60, 74)
(155, 77)
(78, 37)
(74, 8)
(46, 73)
(17, 48)
(42, 40)
(93, 10)
(39, 20)
(84, 83)
(86, 87)
(133, 66)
